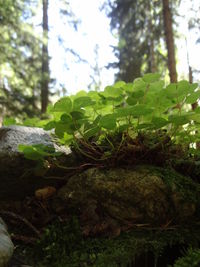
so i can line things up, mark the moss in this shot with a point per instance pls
(64, 246)
(191, 259)
(188, 189)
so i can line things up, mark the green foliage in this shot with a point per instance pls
(129, 109)
(37, 152)
(191, 259)
(64, 245)
(137, 119)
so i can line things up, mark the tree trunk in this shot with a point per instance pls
(190, 73)
(152, 56)
(167, 16)
(45, 60)
(152, 60)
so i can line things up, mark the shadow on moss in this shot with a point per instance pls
(63, 245)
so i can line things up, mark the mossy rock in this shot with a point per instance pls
(111, 200)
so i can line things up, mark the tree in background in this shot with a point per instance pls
(194, 26)
(96, 75)
(144, 28)
(167, 17)
(139, 27)
(20, 53)
(45, 59)
(24, 59)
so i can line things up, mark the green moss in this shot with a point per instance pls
(188, 189)
(64, 246)
(191, 259)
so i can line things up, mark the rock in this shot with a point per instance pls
(17, 179)
(139, 195)
(6, 245)
(12, 136)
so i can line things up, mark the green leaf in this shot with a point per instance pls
(136, 111)
(50, 125)
(32, 154)
(193, 86)
(83, 101)
(139, 84)
(195, 117)
(94, 95)
(111, 91)
(66, 118)
(67, 139)
(38, 151)
(77, 115)
(119, 84)
(81, 93)
(178, 119)
(123, 112)
(91, 132)
(131, 101)
(170, 91)
(62, 127)
(128, 87)
(63, 105)
(138, 94)
(177, 91)
(75, 118)
(141, 110)
(193, 97)
(156, 86)
(97, 119)
(159, 122)
(151, 77)
(108, 122)
(183, 88)
(144, 126)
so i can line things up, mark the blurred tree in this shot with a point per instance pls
(139, 27)
(20, 52)
(96, 75)
(24, 60)
(167, 16)
(45, 59)
(144, 29)
(194, 27)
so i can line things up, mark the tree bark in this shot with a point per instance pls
(45, 60)
(167, 16)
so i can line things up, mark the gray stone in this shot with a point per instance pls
(6, 245)
(17, 178)
(11, 137)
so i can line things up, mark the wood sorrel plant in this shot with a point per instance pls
(141, 116)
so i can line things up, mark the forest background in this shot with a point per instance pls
(50, 48)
